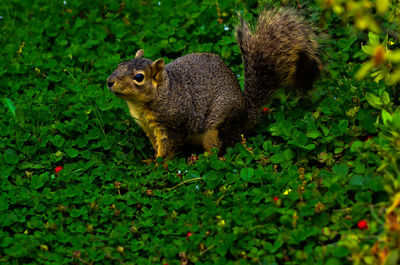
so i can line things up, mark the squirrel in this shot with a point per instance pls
(196, 99)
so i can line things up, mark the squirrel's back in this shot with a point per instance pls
(212, 76)
(197, 95)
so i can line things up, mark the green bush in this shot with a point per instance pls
(77, 185)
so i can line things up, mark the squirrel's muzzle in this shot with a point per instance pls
(110, 84)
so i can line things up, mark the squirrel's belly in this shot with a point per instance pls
(195, 140)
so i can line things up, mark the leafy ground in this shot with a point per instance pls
(304, 189)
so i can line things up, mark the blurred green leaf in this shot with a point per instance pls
(10, 105)
(374, 101)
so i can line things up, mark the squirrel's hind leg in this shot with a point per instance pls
(211, 140)
(223, 116)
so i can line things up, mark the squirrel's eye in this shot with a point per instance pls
(139, 77)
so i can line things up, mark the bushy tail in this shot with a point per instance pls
(281, 52)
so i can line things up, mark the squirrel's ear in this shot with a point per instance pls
(157, 67)
(139, 54)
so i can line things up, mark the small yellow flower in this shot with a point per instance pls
(221, 223)
(21, 47)
(44, 247)
(286, 192)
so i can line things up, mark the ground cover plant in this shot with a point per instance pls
(317, 182)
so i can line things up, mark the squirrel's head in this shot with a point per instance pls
(137, 80)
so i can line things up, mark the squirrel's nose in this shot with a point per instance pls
(110, 84)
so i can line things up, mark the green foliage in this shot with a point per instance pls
(368, 15)
(293, 192)
(380, 245)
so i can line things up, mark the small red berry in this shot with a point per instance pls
(189, 234)
(276, 199)
(76, 254)
(266, 110)
(369, 137)
(362, 225)
(58, 169)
